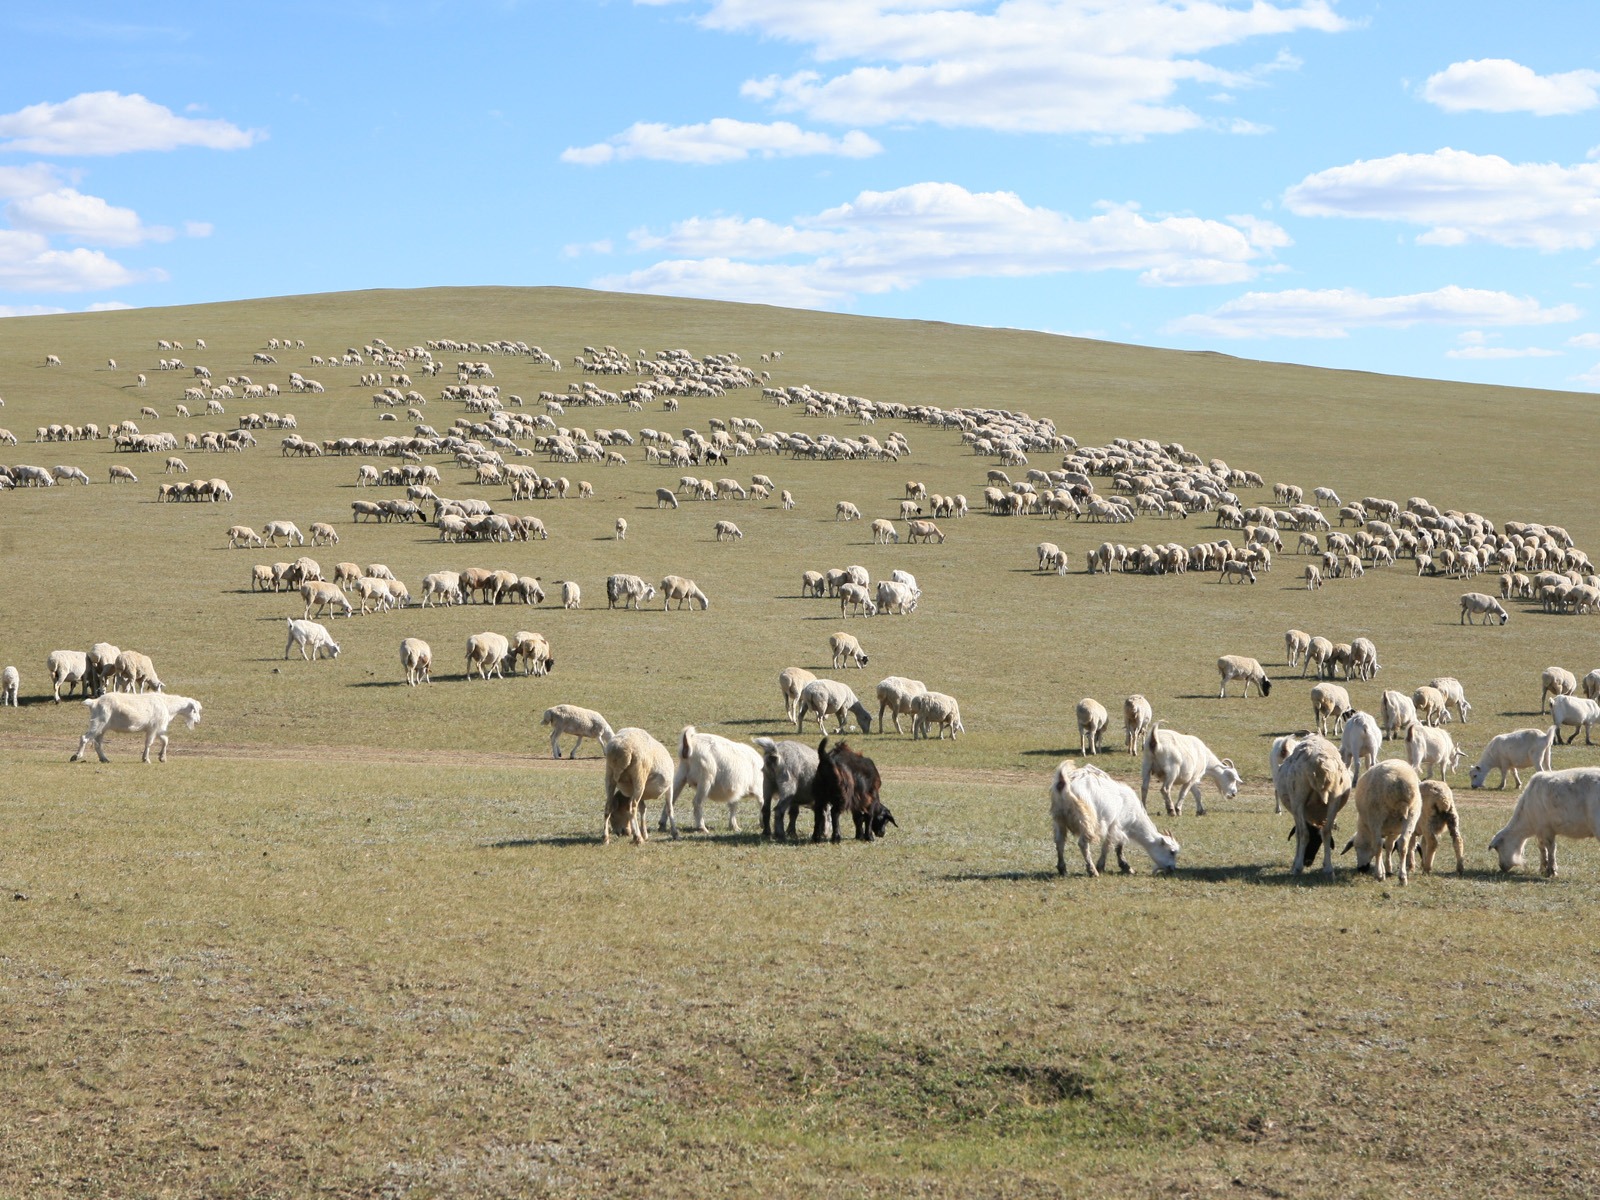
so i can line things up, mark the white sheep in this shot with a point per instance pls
(1181, 763)
(489, 653)
(1455, 696)
(845, 511)
(727, 531)
(1427, 748)
(69, 669)
(894, 697)
(313, 639)
(1313, 784)
(1235, 666)
(1530, 748)
(10, 685)
(134, 672)
(1477, 604)
(1092, 722)
(1556, 681)
(149, 714)
(1388, 801)
(580, 722)
(935, 708)
(907, 578)
(718, 769)
(853, 597)
(1395, 713)
(1554, 804)
(1296, 643)
(791, 682)
(638, 769)
(846, 649)
(1087, 804)
(1361, 741)
(1329, 703)
(827, 697)
(884, 532)
(684, 591)
(1136, 718)
(895, 598)
(1577, 712)
(416, 659)
(571, 594)
(1439, 815)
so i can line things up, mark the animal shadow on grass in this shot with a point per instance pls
(744, 837)
(1000, 876)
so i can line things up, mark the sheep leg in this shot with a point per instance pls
(700, 794)
(1547, 853)
(1453, 824)
(819, 823)
(1198, 792)
(1122, 863)
(555, 742)
(1061, 848)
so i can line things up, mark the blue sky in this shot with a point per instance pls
(1408, 188)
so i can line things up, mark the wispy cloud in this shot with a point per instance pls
(721, 140)
(1335, 312)
(97, 123)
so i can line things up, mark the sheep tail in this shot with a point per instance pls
(686, 741)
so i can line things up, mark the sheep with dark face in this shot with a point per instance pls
(847, 780)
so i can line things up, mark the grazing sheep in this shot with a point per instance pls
(243, 535)
(1477, 604)
(1363, 662)
(1234, 666)
(907, 578)
(884, 532)
(580, 722)
(134, 672)
(935, 708)
(827, 697)
(666, 498)
(313, 639)
(1136, 718)
(1530, 748)
(727, 531)
(68, 668)
(923, 531)
(1313, 784)
(786, 498)
(150, 714)
(1438, 815)
(1428, 748)
(287, 530)
(1455, 697)
(1092, 722)
(789, 771)
(119, 472)
(416, 659)
(1388, 801)
(894, 697)
(532, 650)
(1577, 712)
(1329, 703)
(1313, 578)
(1554, 804)
(1181, 763)
(812, 583)
(684, 591)
(1591, 684)
(10, 685)
(718, 769)
(1089, 805)
(323, 534)
(845, 511)
(1556, 681)
(622, 528)
(322, 596)
(1319, 654)
(846, 649)
(571, 594)
(791, 681)
(1295, 644)
(442, 585)
(1361, 741)
(489, 653)
(629, 590)
(1430, 705)
(895, 598)
(846, 780)
(100, 668)
(1395, 713)
(638, 770)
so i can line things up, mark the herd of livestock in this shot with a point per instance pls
(496, 441)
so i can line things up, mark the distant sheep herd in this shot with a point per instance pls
(1401, 809)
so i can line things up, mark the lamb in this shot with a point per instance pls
(846, 649)
(923, 531)
(1554, 804)
(853, 597)
(1329, 703)
(845, 511)
(1438, 815)
(1388, 801)
(1455, 696)
(1556, 681)
(718, 769)
(1136, 718)
(1051, 557)
(1313, 784)
(812, 583)
(532, 650)
(67, 668)
(1430, 705)
(684, 591)
(10, 685)
(1296, 644)
(1089, 805)
(638, 770)
(1577, 712)
(1234, 666)
(134, 672)
(287, 530)
(935, 708)
(1092, 722)
(1530, 748)
(884, 532)
(416, 659)
(789, 772)
(489, 653)
(243, 535)
(847, 780)
(149, 714)
(1361, 741)
(1395, 712)
(323, 534)
(791, 681)
(580, 722)
(1181, 763)
(1477, 604)
(727, 531)
(313, 639)
(894, 697)
(321, 596)
(571, 594)
(666, 498)
(1429, 748)
(827, 697)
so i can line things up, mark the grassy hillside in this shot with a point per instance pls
(361, 937)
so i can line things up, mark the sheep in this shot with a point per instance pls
(1329, 703)
(416, 659)
(1388, 801)
(1239, 572)
(847, 780)
(1395, 713)
(1234, 666)
(845, 511)
(1455, 697)
(571, 594)
(827, 697)
(1439, 815)
(1313, 577)
(788, 776)
(243, 536)
(322, 596)
(1092, 722)
(907, 578)
(1313, 784)
(684, 591)
(1429, 748)
(100, 668)
(120, 472)
(727, 531)
(666, 498)
(1477, 604)
(622, 529)
(10, 685)
(1530, 748)
(1430, 705)
(489, 653)
(273, 530)
(134, 672)
(1363, 660)
(1052, 558)
(1089, 805)
(1181, 763)
(323, 534)
(580, 722)
(629, 589)
(852, 596)
(1295, 644)
(786, 498)
(1361, 741)
(718, 769)
(1554, 804)
(923, 531)
(1576, 711)
(811, 583)
(846, 649)
(884, 532)
(638, 770)
(67, 668)
(894, 697)
(1591, 684)
(1136, 718)
(895, 598)
(935, 708)
(1319, 654)
(312, 638)
(149, 714)
(442, 585)
(1556, 681)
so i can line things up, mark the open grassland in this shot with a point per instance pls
(355, 938)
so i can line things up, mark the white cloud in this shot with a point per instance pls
(107, 306)
(81, 218)
(198, 229)
(1058, 66)
(31, 180)
(721, 140)
(1334, 312)
(28, 310)
(891, 241)
(1501, 85)
(1494, 352)
(1591, 377)
(1585, 341)
(113, 123)
(1462, 197)
(28, 264)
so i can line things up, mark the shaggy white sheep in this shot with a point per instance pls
(150, 714)
(10, 685)
(894, 697)
(416, 659)
(1136, 718)
(69, 669)
(1361, 741)
(1329, 703)
(1556, 681)
(313, 639)
(845, 650)
(1235, 666)
(1313, 784)
(1439, 815)
(1577, 712)
(1092, 721)
(580, 722)
(791, 682)
(826, 697)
